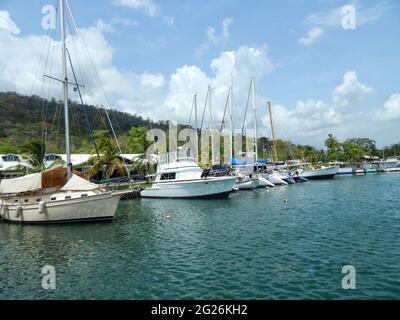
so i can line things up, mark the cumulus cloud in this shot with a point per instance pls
(310, 120)
(7, 24)
(146, 6)
(313, 36)
(149, 94)
(351, 93)
(391, 109)
(169, 97)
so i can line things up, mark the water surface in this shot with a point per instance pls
(251, 246)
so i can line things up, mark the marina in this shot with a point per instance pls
(210, 179)
(253, 245)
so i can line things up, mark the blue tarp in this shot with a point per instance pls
(237, 162)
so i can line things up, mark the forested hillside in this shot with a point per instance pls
(25, 117)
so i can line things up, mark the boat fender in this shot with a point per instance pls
(18, 211)
(3, 211)
(42, 207)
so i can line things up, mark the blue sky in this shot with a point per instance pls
(159, 38)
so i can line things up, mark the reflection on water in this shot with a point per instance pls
(253, 245)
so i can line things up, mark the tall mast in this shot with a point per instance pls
(65, 85)
(273, 131)
(255, 120)
(211, 130)
(195, 120)
(231, 122)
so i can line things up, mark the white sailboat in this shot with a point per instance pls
(29, 200)
(276, 179)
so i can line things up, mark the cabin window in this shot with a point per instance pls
(53, 199)
(84, 195)
(168, 176)
(16, 201)
(38, 200)
(67, 197)
(26, 200)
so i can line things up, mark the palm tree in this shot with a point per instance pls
(34, 150)
(108, 161)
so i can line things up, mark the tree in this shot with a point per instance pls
(334, 152)
(137, 140)
(34, 151)
(109, 161)
(368, 145)
(352, 152)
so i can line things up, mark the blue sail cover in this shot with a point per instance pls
(237, 162)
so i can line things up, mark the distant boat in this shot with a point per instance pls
(389, 165)
(369, 169)
(245, 177)
(319, 174)
(276, 179)
(298, 178)
(264, 183)
(344, 171)
(246, 183)
(286, 176)
(184, 179)
(359, 171)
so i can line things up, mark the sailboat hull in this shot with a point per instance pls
(101, 207)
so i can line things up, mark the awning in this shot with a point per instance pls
(28, 183)
(77, 183)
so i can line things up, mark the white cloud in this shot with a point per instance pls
(310, 121)
(124, 22)
(147, 6)
(313, 36)
(215, 39)
(391, 109)
(351, 93)
(7, 24)
(148, 94)
(169, 97)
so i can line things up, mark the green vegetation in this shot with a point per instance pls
(27, 121)
(24, 117)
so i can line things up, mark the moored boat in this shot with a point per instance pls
(276, 179)
(320, 174)
(184, 179)
(264, 183)
(26, 200)
(342, 171)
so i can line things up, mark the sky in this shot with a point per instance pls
(327, 66)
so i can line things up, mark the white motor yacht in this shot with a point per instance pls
(184, 179)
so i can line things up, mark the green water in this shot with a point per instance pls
(251, 246)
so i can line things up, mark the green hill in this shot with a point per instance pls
(25, 117)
